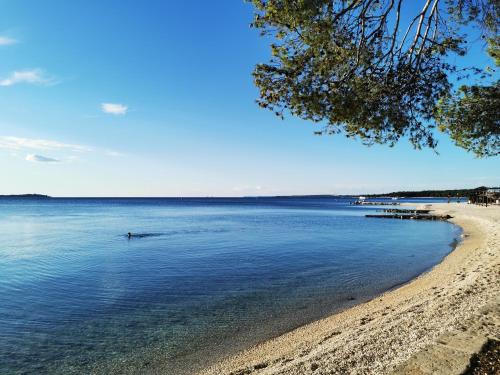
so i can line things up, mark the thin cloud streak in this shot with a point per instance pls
(18, 143)
(33, 77)
(41, 159)
(6, 41)
(113, 153)
(66, 152)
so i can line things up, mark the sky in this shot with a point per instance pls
(156, 98)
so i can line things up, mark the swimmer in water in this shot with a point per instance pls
(129, 235)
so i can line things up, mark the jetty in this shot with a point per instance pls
(364, 203)
(405, 211)
(412, 217)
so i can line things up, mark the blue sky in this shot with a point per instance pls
(129, 98)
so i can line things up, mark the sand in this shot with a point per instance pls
(431, 325)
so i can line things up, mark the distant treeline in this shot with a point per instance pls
(432, 193)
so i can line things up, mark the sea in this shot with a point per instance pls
(199, 278)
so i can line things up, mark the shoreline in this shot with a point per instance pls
(388, 332)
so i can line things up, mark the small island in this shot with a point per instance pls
(26, 196)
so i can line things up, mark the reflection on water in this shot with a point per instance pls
(197, 279)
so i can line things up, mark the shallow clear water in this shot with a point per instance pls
(210, 277)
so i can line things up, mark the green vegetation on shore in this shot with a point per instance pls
(432, 193)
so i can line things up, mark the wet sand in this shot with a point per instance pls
(431, 325)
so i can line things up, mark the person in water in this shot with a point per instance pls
(129, 235)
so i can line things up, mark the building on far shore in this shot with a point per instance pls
(485, 197)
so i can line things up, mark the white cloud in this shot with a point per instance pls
(18, 143)
(41, 159)
(6, 41)
(33, 76)
(114, 108)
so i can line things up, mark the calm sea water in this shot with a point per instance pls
(208, 277)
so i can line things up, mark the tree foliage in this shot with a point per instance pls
(471, 118)
(365, 70)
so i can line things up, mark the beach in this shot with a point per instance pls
(431, 325)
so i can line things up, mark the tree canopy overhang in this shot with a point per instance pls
(368, 70)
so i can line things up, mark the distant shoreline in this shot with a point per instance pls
(422, 194)
(354, 196)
